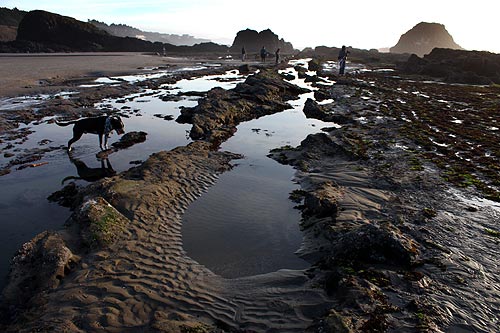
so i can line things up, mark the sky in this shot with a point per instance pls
(364, 24)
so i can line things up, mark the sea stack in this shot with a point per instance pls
(424, 37)
(253, 42)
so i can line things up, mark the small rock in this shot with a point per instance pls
(129, 139)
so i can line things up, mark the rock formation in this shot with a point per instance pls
(44, 27)
(458, 66)
(41, 31)
(424, 37)
(261, 94)
(253, 42)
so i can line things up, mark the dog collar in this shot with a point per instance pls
(107, 126)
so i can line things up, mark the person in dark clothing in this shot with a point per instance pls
(342, 59)
(263, 54)
(243, 54)
(277, 53)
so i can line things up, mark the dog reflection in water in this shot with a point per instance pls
(91, 174)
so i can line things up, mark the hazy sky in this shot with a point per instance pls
(367, 24)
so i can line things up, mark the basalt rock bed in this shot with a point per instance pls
(395, 244)
(397, 198)
(216, 116)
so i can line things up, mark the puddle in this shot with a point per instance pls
(228, 80)
(246, 224)
(145, 76)
(17, 103)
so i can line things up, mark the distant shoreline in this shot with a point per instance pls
(34, 73)
(70, 54)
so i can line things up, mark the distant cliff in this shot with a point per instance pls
(253, 42)
(11, 17)
(41, 31)
(48, 28)
(424, 37)
(122, 30)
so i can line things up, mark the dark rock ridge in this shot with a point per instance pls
(122, 30)
(253, 42)
(215, 117)
(423, 37)
(458, 66)
(41, 31)
(371, 57)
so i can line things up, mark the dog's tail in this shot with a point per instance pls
(69, 178)
(65, 123)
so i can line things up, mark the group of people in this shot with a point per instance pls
(263, 54)
(342, 58)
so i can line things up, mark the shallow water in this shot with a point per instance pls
(246, 224)
(24, 208)
(17, 103)
(263, 183)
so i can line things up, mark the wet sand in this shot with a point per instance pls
(23, 74)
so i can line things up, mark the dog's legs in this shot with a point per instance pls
(106, 137)
(100, 142)
(76, 137)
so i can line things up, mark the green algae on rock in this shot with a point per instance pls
(101, 223)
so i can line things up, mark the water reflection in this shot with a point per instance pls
(245, 224)
(90, 174)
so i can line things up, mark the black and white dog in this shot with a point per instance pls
(102, 126)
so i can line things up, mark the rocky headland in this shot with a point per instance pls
(41, 31)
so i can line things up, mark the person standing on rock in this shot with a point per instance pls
(243, 54)
(342, 59)
(263, 54)
(277, 53)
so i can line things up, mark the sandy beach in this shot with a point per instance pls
(37, 73)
